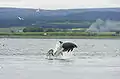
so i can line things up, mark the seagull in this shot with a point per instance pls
(20, 18)
(38, 10)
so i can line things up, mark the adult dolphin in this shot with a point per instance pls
(67, 46)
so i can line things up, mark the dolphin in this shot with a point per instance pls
(67, 46)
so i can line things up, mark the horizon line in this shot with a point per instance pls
(62, 8)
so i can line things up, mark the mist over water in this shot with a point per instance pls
(26, 59)
(104, 26)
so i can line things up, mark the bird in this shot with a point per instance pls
(20, 18)
(67, 46)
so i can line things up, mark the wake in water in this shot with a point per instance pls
(61, 49)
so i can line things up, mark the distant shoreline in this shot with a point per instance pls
(60, 35)
(63, 37)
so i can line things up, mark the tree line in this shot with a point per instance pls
(39, 29)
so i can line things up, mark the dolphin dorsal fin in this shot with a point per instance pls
(60, 42)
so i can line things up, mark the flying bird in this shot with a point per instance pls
(38, 10)
(20, 18)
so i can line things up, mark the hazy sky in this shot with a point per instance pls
(59, 4)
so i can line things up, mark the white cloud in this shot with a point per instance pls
(10, 0)
(60, 4)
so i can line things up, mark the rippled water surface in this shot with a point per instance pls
(26, 59)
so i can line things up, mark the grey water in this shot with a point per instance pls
(26, 59)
